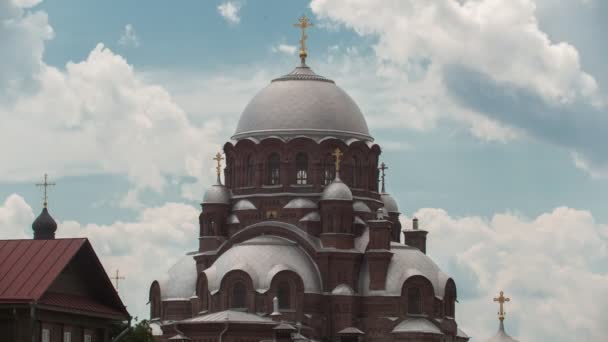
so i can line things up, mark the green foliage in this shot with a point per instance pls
(139, 332)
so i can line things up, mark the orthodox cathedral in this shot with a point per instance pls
(301, 243)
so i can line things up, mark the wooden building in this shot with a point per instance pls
(55, 290)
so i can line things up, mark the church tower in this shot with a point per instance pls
(299, 243)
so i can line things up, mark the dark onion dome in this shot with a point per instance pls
(389, 203)
(217, 194)
(302, 103)
(44, 226)
(337, 191)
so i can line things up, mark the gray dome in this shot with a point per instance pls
(243, 204)
(311, 217)
(360, 206)
(501, 335)
(217, 194)
(302, 103)
(300, 203)
(337, 191)
(262, 258)
(406, 262)
(343, 290)
(180, 281)
(389, 203)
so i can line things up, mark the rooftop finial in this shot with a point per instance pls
(116, 278)
(45, 185)
(303, 23)
(218, 169)
(338, 155)
(502, 300)
(382, 169)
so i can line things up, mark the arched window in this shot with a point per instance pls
(414, 301)
(249, 171)
(155, 300)
(450, 299)
(284, 295)
(329, 170)
(301, 168)
(274, 169)
(356, 170)
(238, 299)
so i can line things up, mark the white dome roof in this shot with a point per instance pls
(389, 203)
(501, 335)
(243, 204)
(300, 203)
(217, 194)
(406, 262)
(360, 206)
(337, 191)
(262, 258)
(180, 281)
(302, 103)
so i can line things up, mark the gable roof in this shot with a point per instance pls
(29, 267)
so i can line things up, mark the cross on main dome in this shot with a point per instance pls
(302, 103)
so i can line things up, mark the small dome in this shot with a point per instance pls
(262, 258)
(501, 335)
(406, 262)
(180, 281)
(302, 103)
(44, 226)
(243, 204)
(361, 207)
(232, 219)
(300, 203)
(389, 203)
(217, 194)
(343, 290)
(311, 217)
(337, 191)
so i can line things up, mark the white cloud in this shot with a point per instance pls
(553, 267)
(98, 115)
(440, 60)
(472, 33)
(16, 218)
(286, 49)
(230, 11)
(129, 37)
(142, 249)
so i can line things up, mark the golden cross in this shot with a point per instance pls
(338, 155)
(502, 300)
(218, 158)
(116, 278)
(45, 185)
(303, 23)
(383, 168)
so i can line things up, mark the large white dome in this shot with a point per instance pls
(302, 103)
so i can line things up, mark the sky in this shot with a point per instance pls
(492, 116)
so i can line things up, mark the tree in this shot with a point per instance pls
(139, 332)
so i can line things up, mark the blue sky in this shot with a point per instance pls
(492, 116)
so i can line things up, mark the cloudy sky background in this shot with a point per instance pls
(493, 116)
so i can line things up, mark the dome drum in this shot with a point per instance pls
(300, 166)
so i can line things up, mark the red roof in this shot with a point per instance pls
(79, 303)
(29, 267)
